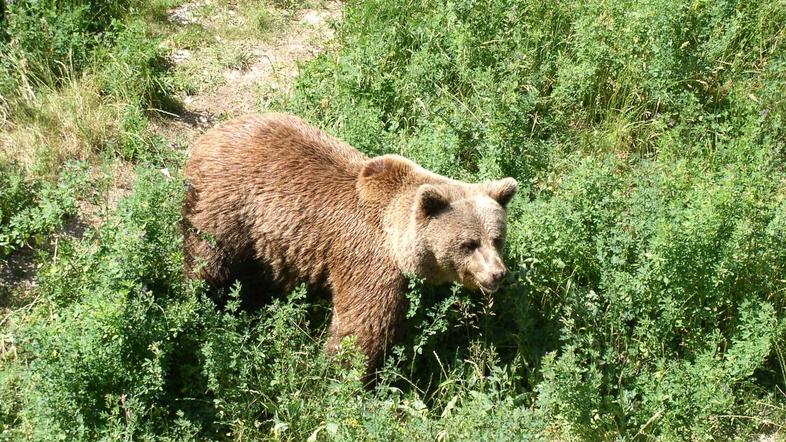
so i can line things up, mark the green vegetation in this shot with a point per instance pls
(648, 256)
(37, 208)
(647, 247)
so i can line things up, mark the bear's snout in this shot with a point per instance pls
(490, 281)
(490, 273)
(496, 277)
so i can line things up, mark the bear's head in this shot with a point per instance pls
(440, 229)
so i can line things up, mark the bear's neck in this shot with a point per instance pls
(401, 235)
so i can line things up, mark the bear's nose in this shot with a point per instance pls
(492, 279)
(497, 276)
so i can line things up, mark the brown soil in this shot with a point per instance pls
(271, 70)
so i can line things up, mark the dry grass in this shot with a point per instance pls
(49, 127)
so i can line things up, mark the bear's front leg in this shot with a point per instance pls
(373, 313)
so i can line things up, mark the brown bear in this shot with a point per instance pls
(273, 196)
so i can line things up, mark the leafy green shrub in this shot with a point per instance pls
(658, 281)
(33, 209)
(53, 38)
(122, 310)
(121, 345)
(133, 68)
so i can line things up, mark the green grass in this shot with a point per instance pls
(647, 246)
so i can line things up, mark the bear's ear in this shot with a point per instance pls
(502, 191)
(382, 176)
(430, 201)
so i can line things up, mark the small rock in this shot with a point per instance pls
(183, 15)
(181, 55)
(312, 18)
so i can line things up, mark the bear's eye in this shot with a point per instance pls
(498, 242)
(469, 245)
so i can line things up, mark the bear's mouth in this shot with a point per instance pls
(487, 288)
(474, 283)
(470, 281)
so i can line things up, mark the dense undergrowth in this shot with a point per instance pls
(78, 81)
(648, 253)
(647, 296)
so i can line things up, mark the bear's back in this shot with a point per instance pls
(284, 193)
(275, 142)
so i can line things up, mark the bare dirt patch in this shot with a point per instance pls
(275, 66)
(257, 67)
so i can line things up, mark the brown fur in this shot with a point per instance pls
(276, 197)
